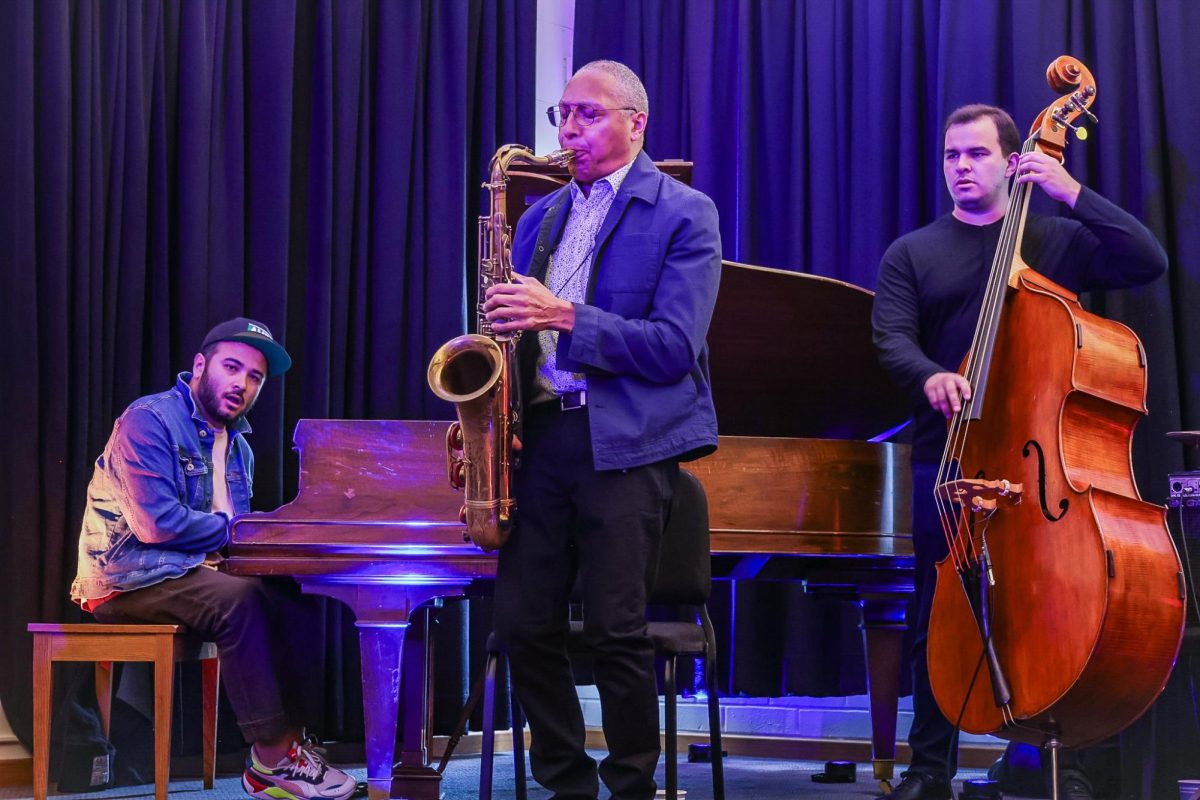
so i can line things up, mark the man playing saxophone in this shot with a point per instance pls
(618, 275)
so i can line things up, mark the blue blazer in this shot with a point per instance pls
(640, 336)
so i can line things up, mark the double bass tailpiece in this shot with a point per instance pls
(977, 494)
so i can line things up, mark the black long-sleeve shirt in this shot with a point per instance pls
(931, 285)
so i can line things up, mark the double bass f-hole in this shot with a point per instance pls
(1063, 504)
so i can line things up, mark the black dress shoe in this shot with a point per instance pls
(920, 786)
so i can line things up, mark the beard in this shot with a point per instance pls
(213, 402)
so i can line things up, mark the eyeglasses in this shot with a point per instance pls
(584, 115)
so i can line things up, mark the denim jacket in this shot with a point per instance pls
(148, 516)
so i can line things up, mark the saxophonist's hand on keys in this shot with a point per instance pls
(527, 305)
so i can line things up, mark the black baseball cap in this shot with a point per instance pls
(256, 335)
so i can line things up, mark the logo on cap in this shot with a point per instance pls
(258, 329)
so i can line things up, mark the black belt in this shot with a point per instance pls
(571, 401)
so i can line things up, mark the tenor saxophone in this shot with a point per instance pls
(478, 373)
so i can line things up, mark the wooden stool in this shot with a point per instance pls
(163, 645)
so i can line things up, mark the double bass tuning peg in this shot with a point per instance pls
(1081, 103)
(1077, 102)
(1060, 118)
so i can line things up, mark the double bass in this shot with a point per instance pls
(1059, 611)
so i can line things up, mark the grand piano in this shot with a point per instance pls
(796, 490)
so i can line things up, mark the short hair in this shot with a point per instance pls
(628, 88)
(1010, 140)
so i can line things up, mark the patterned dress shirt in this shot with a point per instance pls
(568, 274)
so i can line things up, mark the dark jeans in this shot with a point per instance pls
(261, 630)
(933, 740)
(605, 526)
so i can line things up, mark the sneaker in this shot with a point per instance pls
(305, 775)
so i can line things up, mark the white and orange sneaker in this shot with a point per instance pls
(303, 775)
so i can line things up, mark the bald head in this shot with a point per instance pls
(624, 84)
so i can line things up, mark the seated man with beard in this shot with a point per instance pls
(176, 468)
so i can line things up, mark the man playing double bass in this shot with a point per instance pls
(930, 290)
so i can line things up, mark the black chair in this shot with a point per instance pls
(683, 580)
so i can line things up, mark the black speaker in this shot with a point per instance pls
(1183, 519)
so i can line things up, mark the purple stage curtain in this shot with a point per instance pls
(816, 127)
(169, 164)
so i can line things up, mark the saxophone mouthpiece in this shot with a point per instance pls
(563, 158)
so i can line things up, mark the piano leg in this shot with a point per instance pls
(883, 629)
(381, 647)
(382, 615)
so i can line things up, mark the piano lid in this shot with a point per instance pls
(792, 355)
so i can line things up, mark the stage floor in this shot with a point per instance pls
(746, 778)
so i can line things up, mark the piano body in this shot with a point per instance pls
(374, 525)
(795, 493)
(797, 490)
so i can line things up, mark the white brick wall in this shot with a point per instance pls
(555, 44)
(799, 717)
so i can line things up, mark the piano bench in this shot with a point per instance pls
(163, 645)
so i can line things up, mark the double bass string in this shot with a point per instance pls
(959, 524)
(954, 523)
(959, 521)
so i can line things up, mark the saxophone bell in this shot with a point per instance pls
(469, 372)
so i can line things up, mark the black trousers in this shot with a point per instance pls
(265, 634)
(605, 528)
(933, 739)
